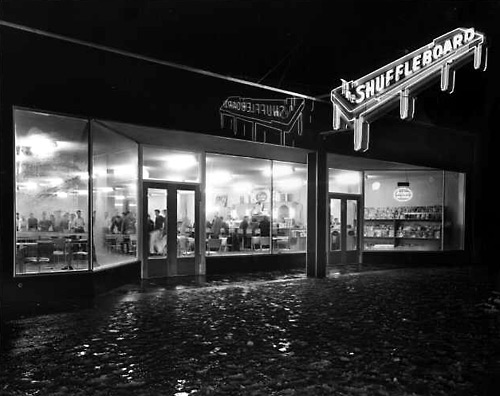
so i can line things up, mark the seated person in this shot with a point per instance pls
(216, 226)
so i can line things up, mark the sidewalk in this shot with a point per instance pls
(414, 331)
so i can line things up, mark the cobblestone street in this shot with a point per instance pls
(389, 332)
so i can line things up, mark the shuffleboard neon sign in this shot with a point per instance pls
(280, 115)
(357, 103)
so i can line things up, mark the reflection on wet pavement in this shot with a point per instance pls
(395, 332)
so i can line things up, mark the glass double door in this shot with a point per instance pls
(170, 242)
(344, 245)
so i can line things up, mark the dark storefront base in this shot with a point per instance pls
(27, 294)
(255, 263)
(410, 259)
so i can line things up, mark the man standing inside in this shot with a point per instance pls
(156, 234)
(79, 223)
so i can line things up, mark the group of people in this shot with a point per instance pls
(123, 224)
(219, 227)
(74, 222)
(67, 222)
(264, 226)
(248, 227)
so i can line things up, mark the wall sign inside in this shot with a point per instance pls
(402, 194)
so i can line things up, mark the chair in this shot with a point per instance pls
(45, 250)
(79, 251)
(283, 243)
(265, 241)
(30, 253)
(60, 253)
(118, 246)
(133, 244)
(223, 244)
(254, 242)
(214, 244)
(110, 242)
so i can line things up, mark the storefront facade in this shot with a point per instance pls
(160, 172)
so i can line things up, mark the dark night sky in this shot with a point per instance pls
(304, 46)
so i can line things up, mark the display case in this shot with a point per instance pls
(403, 228)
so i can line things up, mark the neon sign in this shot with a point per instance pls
(357, 103)
(264, 116)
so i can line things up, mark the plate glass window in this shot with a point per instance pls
(52, 183)
(255, 206)
(403, 210)
(115, 177)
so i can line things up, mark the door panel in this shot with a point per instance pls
(351, 230)
(170, 232)
(344, 213)
(185, 231)
(155, 231)
(335, 225)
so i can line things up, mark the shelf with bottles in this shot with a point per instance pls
(379, 230)
(418, 230)
(403, 228)
(421, 213)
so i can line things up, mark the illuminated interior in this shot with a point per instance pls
(256, 206)
(252, 206)
(51, 192)
(115, 178)
(52, 195)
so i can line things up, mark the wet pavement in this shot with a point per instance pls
(414, 331)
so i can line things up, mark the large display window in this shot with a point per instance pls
(404, 210)
(254, 206)
(115, 178)
(52, 185)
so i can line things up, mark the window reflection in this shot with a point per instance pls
(51, 193)
(344, 181)
(115, 168)
(170, 165)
